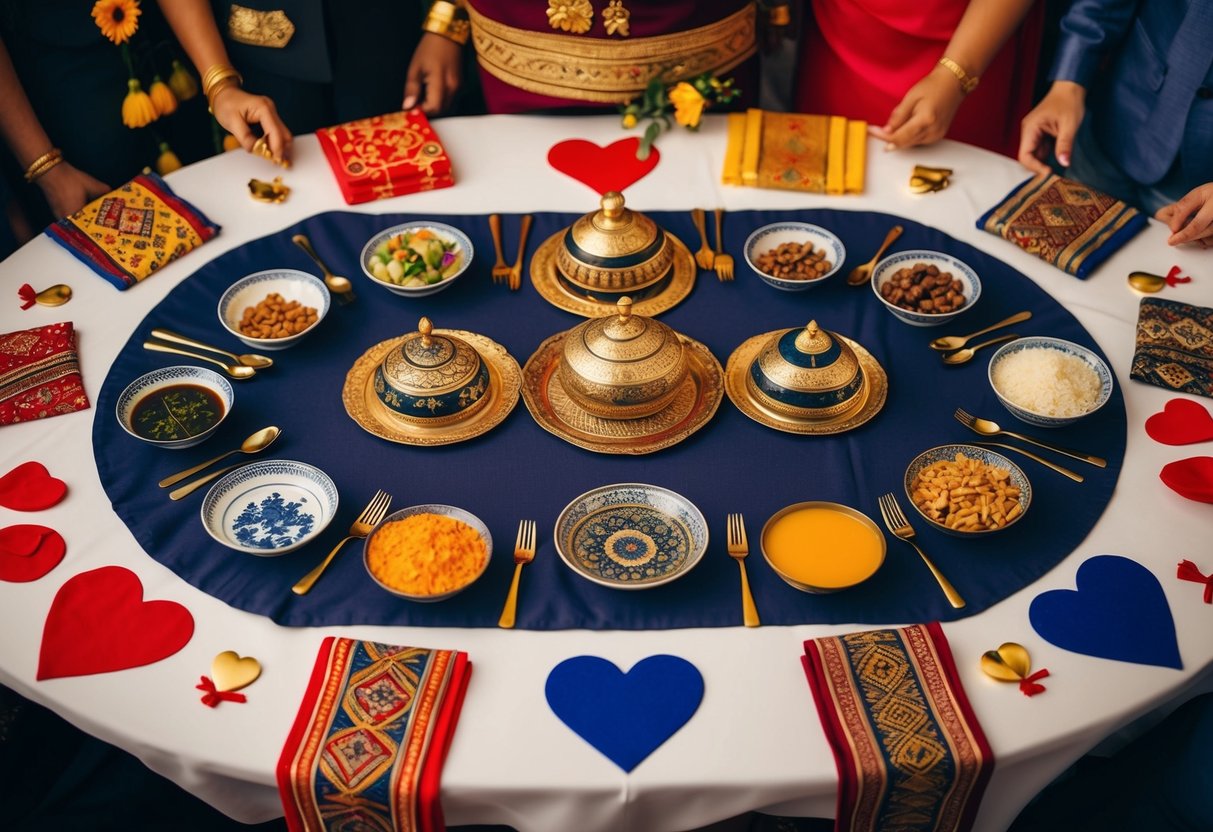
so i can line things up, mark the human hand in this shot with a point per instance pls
(68, 189)
(236, 109)
(925, 113)
(1051, 127)
(1190, 219)
(436, 68)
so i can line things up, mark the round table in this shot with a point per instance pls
(755, 742)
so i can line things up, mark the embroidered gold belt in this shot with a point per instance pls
(608, 71)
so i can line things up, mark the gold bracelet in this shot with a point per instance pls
(447, 20)
(968, 82)
(43, 163)
(218, 77)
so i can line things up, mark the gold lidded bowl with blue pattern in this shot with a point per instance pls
(613, 251)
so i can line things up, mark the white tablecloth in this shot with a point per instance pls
(755, 742)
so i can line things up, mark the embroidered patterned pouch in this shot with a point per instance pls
(794, 151)
(386, 156)
(1063, 222)
(133, 231)
(40, 374)
(1174, 346)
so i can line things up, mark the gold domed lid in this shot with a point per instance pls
(808, 373)
(622, 366)
(614, 249)
(432, 376)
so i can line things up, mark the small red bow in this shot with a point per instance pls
(1173, 277)
(212, 696)
(1029, 685)
(28, 295)
(1188, 571)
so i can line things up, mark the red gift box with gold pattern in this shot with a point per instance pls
(39, 374)
(386, 156)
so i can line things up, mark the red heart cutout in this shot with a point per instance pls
(28, 552)
(610, 168)
(99, 622)
(1191, 478)
(30, 487)
(1181, 422)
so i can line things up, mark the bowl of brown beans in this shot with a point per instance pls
(966, 490)
(925, 288)
(793, 256)
(274, 309)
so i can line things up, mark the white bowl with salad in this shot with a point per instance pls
(417, 258)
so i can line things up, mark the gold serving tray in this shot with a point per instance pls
(693, 406)
(364, 407)
(562, 295)
(736, 384)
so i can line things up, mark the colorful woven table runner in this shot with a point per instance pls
(367, 747)
(40, 374)
(911, 755)
(1065, 223)
(794, 151)
(1174, 346)
(133, 231)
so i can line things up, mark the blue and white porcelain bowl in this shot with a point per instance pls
(944, 453)
(431, 508)
(631, 535)
(776, 234)
(447, 233)
(269, 507)
(1044, 420)
(156, 381)
(291, 284)
(959, 270)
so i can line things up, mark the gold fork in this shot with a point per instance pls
(739, 547)
(897, 523)
(375, 511)
(501, 269)
(724, 262)
(516, 269)
(705, 257)
(987, 428)
(524, 553)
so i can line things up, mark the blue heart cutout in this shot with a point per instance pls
(625, 716)
(1118, 611)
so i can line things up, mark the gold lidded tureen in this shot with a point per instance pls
(806, 380)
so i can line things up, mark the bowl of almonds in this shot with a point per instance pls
(967, 490)
(925, 288)
(274, 309)
(793, 256)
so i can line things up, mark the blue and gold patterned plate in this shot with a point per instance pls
(270, 507)
(631, 535)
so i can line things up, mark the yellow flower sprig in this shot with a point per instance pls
(118, 20)
(685, 101)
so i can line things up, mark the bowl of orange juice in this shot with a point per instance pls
(822, 547)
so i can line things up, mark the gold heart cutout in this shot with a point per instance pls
(1009, 663)
(231, 672)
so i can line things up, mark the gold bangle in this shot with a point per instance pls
(968, 82)
(215, 77)
(447, 20)
(43, 163)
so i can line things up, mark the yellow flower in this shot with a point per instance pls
(688, 104)
(162, 97)
(574, 16)
(182, 83)
(230, 142)
(629, 121)
(137, 108)
(117, 19)
(167, 161)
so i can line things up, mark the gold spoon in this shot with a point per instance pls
(234, 370)
(1146, 282)
(988, 428)
(966, 355)
(257, 362)
(56, 295)
(955, 342)
(337, 285)
(862, 274)
(186, 490)
(255, 443)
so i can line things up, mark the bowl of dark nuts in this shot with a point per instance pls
(925, 288)
(792, 256)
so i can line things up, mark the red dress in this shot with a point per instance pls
(859, 57)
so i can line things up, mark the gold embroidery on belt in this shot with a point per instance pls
(257, 28)
(608, 71)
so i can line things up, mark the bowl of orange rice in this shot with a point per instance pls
(427, 552)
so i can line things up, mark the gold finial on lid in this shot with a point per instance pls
(425, 326)
(612, 205)
(624, 305)
(813, 340)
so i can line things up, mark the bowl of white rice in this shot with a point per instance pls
(1049, 382)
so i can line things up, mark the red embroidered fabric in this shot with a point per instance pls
(40, 374)
(386, 156)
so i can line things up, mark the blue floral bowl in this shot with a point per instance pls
(269, 507)
(1097, 365)
(776, 234)
(135, 396)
